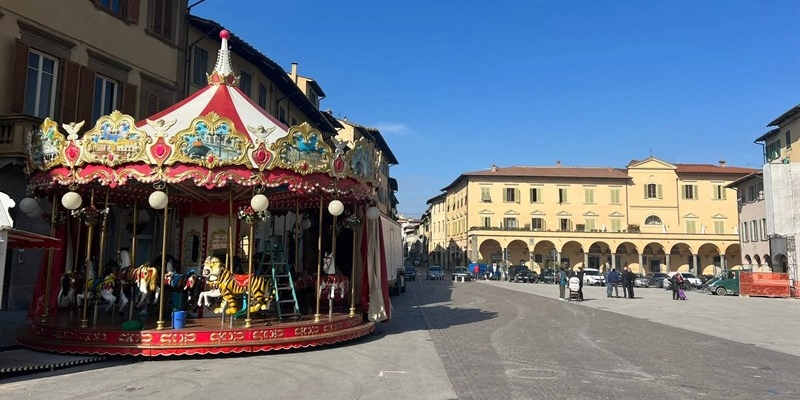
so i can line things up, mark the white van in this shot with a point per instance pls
(593, 277)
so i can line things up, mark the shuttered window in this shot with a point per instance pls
(40, 85)
(161, 18)
(200, 66)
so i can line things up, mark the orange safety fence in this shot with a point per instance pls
(767, 284)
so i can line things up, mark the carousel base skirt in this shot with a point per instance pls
(64, 334)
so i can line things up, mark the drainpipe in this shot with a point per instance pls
(186, 46)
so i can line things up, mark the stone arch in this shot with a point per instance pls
(571, 254)
(748, 260)
(654, 258)
(517, 251)
(490, 248)
(599, 256)
(627, 254)
(781, 263)
(733, 256)
(542, 255)
(767, 262)
(681, 258)
(708, 256)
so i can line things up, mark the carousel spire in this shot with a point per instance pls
(223, 71)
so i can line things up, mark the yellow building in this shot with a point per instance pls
(651, 216)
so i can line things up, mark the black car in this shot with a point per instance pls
(521, 273)
(549, 276)
(411, 273)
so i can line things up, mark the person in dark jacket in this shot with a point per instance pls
(580, 275)
(612, 278)
(677, 284)
(628, 278)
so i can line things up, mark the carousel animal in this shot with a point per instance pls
(108, 288)
(70, 285)
(181, 283)
(232, 286)
(333, 280)
(145, 279)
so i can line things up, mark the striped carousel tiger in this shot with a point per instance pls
(231, 286)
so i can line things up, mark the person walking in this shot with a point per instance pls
(677, 285)
(628, 278)
(561, 280)
(580, 276)
(611, 282)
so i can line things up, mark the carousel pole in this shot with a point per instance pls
(319, 260)
(353, 272)
(133, 254)
(229, 255)
(46, 312)
(334, 232)
(160, 322)
(297, 231)
(247, 320)
(101, 259)
(89, 233)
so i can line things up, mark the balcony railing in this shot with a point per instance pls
(13, 130)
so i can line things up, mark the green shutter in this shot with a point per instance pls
(645, 191)
(696, 194)
(659, 190)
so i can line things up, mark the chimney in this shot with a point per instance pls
(494, 167)
(721, 163)
(294, 72)
(558, 163)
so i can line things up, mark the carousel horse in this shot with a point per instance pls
(145, 279)
(231, 286)
(211, 292)
(177, 282)
(333, 280)
(108, 288)
(70, 285)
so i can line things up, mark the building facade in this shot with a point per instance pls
(781, 182)
(651, 216)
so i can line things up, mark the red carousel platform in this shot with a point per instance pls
(200, 336)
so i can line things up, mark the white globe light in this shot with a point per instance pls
(259, 202)
(158, 200)
(373, 213)
(305, 224)
(336, 208)
(29, 206)
(71, 200)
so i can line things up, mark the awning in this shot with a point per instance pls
(18, 239)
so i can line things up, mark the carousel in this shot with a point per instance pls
(207, 228)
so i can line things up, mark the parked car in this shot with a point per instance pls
(411, 273)
(641, 281)
(657, 279)
(593, 277)
(689, 279)
(521, 273)
(548, 276)
(435, 273)
(462, 272)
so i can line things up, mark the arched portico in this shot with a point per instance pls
(627, 255)
(545, 255)
(654, 258)
(710, 260)
(490, 250)
(571, 254)
(518, 252)
(681, 258)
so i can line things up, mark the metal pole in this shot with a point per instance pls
(250, 273)
(319, 260)
(333, 261)
(133, 256)
(353, 272)
(89, 233)
(46, 312)
(160, 322)
(101, 259)
(229, 258)
(297, 232)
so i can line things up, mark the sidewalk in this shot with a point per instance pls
(769, 323)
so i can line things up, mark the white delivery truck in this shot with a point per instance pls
(393, 250)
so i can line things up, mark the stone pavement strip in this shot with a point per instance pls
(770, 323)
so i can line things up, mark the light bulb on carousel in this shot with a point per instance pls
(335, 207)
(158, 200)
(259, 202)
(71, 200)
(30, 207)
(373, 213)
(305, 223)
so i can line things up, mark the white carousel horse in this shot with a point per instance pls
(333, 280)
(70, 284)
(107, 288)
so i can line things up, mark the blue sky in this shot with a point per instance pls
(457, 86)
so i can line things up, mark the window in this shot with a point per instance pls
(652, 220)
(105, 96)
(743, 233)
(564, 224)
(616, 225)
(763, 229)
(40, 87)
(112, 5)
(691, 226)
(773, 150)
(282, 115)
(588, 195)
(161, 18)
(562, 195)
(153, 103)
(245, 80)
(510, 222)
(262, 96)
(511, 195)
(200, 67)
(788, 137)
(536, 195)
(689, 192)
(652, 191)
(537, 224)
(486, 197)
(486, 222)
(615, 196)
(590, 226)
(719, 192)
(719, 227)
(753, 231)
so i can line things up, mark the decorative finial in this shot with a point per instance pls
(223, 71)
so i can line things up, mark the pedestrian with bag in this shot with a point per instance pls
(561, 280)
